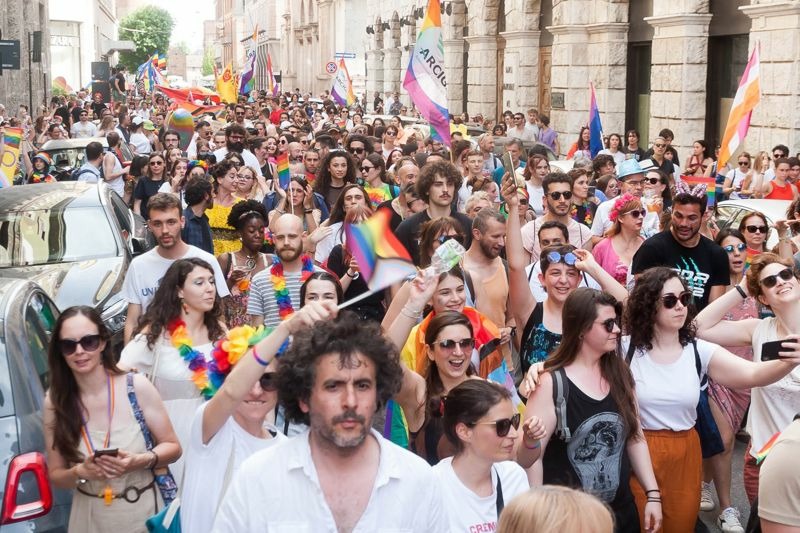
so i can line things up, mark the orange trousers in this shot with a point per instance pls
(678, 465)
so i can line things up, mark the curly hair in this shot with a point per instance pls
(322, 184)
(430, 172)
(346, 337)
(166, 305)
(644, 304)
(244, 211)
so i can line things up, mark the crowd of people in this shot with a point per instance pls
(635, 332)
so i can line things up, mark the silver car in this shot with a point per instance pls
(731, 212)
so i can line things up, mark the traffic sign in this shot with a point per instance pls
(330, 67)
(344, 55)
(9, 54)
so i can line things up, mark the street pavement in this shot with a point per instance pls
(738, 495)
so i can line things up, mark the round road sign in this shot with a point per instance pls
(330, 67)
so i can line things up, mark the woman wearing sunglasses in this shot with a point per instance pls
(615, 252)
(755, 229)
(235, 423)
(187, 294)
(728, 406)
(581, 421)
(481, 423)
(94, 443)
(149, 183)
(373, 177)
(772, 282)
(668, 364)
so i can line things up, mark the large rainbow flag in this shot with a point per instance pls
(9, 156)
(282, 165)
(425, 78)
(342, 90)
(747, 97)
(382, 260)
(595, 126)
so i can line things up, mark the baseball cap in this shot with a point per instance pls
(148, 125)
(628, 168)
(137, 120)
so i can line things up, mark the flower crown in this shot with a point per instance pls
(619, 205)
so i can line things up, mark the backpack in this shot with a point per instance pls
(78, 172)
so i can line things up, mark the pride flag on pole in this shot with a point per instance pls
(9, 156)
(381, 258)
(282, 165)
(747, 97)
(595, 127)
(425, 78)
(248, 79)
(342, 90)
(226, 85)
(272, 85)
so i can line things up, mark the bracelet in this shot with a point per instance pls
(653, 500)
(308, 211)
(652, 490)
(535, 446)
(740, 290)
(153, 462)
(258, 359)
(405, 311)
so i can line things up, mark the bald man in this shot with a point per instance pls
(262, 305)
(296, 152)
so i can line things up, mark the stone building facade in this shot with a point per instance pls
(18, 19)
(654, 64)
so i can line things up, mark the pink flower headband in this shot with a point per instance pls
(619, 204)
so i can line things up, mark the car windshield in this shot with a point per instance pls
(67, 157)
(59, 235)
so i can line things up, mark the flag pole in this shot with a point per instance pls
(357, 299)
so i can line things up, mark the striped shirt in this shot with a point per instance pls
(261, 301)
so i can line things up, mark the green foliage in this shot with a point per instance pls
(153, 27)
(208, 61)
(55, 90)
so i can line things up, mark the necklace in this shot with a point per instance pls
(284, 301)
(250, 260)
(87, 438)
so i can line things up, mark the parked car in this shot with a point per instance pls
(731, 212)
(27, 318)
(69, 154)
(76, 240)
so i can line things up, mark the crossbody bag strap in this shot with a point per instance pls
(560, 395)
(137, 412)
(698, 365)
(499, 502)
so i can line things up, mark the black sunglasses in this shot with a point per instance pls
(730, 247)
(366, 168)
(356, 150)
(88, 343)
(653, 181)
(770, 281)
(444, 238)
(756, 229)
(268, 382)
(556, 195)
(450, 344)
(502, 426)
(744, 163)
(609, 324)
(670, 300)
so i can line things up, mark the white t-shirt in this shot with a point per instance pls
(141, 143)
(737, 177)
(579, 236)
(601, 223)
(145, 273)
(668, 394)
(467, 512)
(81, 129)
(619, 156)
(536, 194)
(249, 158)
(118, 183)
(207, 465)
(537, 289)
(769, 175)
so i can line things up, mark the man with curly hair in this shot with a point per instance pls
(340, 475)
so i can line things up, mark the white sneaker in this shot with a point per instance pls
(728, 521)
(707, 502)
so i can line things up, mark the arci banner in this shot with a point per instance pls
(342, 90)
(425, 79)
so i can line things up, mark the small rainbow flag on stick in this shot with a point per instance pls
(381, 258)
(762, 453)
(283, 170)
(708, 181)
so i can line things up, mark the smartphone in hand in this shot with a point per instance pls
(769, 350)
(111, 452)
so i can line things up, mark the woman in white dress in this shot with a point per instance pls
(178, 330)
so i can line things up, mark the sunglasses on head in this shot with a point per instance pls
(636, 213)
(502, 426)
(356, 150)
(557, 195)
(770, 281)
(568, 258)
(88, 343)
(449, 345)
(731, 247)
(444, 238)
(609, 324)
(268, 382)
(670, 300)
(756, 229)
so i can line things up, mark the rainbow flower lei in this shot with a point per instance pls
(284, 301)
(208, 376)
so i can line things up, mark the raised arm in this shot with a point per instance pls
(736, 373)
(607, 282)
(712, 327)
(520, 296)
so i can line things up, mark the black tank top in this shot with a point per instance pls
(595, 459)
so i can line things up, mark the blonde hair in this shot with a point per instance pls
(555, 509)
(757, 162)
(622, 207)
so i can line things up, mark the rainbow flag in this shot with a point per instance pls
(762, 453)
(747, 97)
(159, 61)
(342, 90)
(283, 170)
(381, 258)
(751, 254)
(425, 78)
(272, 85)
(9, 156)
(502, 376)
(708, 181)
(595, 126)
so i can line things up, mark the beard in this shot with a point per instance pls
(488, 250)
(237, 147)
(287, 254)
(328, 431)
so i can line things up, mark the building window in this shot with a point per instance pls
(637, 93)
(727, 58)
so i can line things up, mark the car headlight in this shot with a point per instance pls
(114, 315)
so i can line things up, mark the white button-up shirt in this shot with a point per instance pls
(277, 490)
